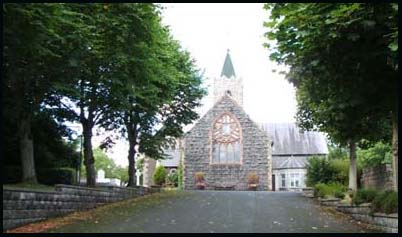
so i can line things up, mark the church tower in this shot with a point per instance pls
(228, 83)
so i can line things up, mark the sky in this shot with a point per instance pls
(207, 31)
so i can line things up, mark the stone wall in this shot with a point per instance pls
(21, 206)
(256, 152)
(379, 177)
(387, 223)
(233, 84)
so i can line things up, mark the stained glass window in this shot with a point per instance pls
(226, 140)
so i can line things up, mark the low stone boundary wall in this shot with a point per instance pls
(388, 223)
(329, 202)
(308, 192)
(21, 206)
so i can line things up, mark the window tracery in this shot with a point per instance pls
(226, 140)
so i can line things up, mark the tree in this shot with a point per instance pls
(336, 54)
(161, 85)
(32, 42)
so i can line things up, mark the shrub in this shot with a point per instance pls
(319, 170)
(53, 176)
(173, 179)
(386, 201)
(199, 177)
(12, 174)
(339, 194)
(160, 175)
(329, 190)
(340, 171)
(378, 154)
(364, 195)
(253, 178)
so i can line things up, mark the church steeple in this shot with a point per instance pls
(228, 69)
(228, 83)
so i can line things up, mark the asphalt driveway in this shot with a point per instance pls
(215, 211)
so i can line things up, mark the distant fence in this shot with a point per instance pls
(379, 177)
(22, 206)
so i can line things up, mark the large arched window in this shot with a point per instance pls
(226, 140)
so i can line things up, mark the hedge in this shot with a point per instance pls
(48, 176)
(53, 176)
(364, 196)
(329, 190)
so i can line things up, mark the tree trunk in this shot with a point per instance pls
(352, 166)
(27, 152)
(131, 156)
(395, 150)
(88, 155)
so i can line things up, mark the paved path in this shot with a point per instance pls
(216, 211)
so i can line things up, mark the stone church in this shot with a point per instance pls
(227, 145)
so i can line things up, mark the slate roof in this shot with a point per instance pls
(291, 149)
(173, 158)
(289, 140)
(228, 69)
(289, 162)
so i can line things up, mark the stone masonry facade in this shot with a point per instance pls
(378, 177)
(256, 151)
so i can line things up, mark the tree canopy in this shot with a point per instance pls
(343, 62)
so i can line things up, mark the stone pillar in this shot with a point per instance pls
(149, 168)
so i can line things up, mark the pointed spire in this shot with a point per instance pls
(228, 69)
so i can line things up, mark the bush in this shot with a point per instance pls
(364, 195)
(329, 190)
(340, 171)
(253, 178)
(378, 154)
(319, 170)
(339, 194)
(386, 202)
(53, 176)
(11, 174)
(160, 175)
(173, 179)
(199, 177)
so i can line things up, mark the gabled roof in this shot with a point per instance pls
(228, 69)
(173, 158)
(290, 140)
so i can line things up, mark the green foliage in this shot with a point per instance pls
(386, 202)
(11, 174)
(160, 175)
(329, 190)
(180, 176)
(319, 170)
(337, 53)
(173, 178)
(341, 171)
(139, 164)
(322, 170)
(364, 196)
(337, 153)
(107, 164)
(57, 176)
(378, 154)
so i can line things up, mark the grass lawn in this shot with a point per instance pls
(30, 186)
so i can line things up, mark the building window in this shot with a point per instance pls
(295, 180)
(226, 140)
(283, 180)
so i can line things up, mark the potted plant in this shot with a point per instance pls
(253, 181)
(199, 180)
